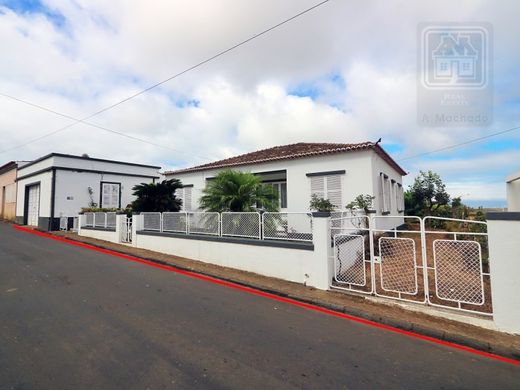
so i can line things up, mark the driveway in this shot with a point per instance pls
(75, 318)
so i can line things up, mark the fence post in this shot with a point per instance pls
(119, 222)
(323, 262)
(80, 223)
(137, 224)
(504, 263)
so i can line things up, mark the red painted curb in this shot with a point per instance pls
(270, 296)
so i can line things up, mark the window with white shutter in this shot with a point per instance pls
(318, 186)
(110, 195)
(185, 194)
(327, 187)
(399, 197)
(187, 198)
(384, 192)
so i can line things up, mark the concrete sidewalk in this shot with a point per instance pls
(406, 318)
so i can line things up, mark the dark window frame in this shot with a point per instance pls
(101, 192)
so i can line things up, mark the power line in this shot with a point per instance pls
(199, 64)
(94, 125)
(462, 143)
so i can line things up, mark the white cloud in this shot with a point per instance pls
(108, 50)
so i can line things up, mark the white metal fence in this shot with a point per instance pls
(438, 261)
(247, 225)
(175, 222)
(204, 223)
(287, 226)
(100, 220)
(350, 237)
(251, 225)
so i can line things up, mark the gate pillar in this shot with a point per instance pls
(504, 254)
(323, 260)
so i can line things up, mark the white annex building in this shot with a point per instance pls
(338, 172)
(59, 185)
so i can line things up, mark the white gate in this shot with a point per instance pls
(352, 248)
(33, 205)
(435, 261)
(126, 230)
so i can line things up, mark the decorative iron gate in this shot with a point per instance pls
(436, 261)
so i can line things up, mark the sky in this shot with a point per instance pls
(344, 72)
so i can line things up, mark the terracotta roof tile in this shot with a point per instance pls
(290, 152)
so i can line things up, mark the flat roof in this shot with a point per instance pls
(88, 159)
(8, 167)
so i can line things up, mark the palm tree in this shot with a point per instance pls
(157, 196)
(238, 191)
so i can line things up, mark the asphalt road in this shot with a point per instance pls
(72, 318)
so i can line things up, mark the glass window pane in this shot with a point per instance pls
(283, 195)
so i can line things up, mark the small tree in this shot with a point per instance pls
(238, 191)
(361, 202)
(157, 196)
(426, 195)
(321, 204)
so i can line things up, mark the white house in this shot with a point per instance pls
(338, 172)
(59, 185)
(513, 192)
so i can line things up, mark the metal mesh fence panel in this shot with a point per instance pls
(111, 220)
(151, 221)
(349, 256)
(241, 224)
(175, 222)
(100, 220)
(458, 271)
(88, 220)
(287, 226)
(458, 264)
(398, 265)
(204, 223)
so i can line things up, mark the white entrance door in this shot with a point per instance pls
(33, 205)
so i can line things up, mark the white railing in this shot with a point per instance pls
(432, 260)
(292, 226)
(111, 220)
(248, 225)
(253, 225)
(88, 221)
(175, 222)
(99, 220)
(152, 221)
(204, 223)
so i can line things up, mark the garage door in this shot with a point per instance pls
(33, 205)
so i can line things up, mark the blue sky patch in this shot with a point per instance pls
(34, 7)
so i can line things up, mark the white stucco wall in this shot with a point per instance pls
(45, 180)
(283, 263)
(360, 167)
(504, 263)
(72, 179)
(74, 184)
(104, 235)
(381, 166)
